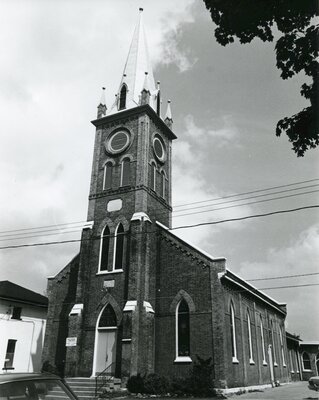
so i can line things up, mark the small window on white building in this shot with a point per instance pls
(8, 362)
(16, 313)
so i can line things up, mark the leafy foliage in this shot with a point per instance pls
(199, 382)
(296, 51)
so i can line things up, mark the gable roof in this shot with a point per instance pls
(14, 292)
(229, 275)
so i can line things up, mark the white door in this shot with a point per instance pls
(105, 351)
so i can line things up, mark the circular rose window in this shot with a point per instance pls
(118, 142)
(159, 149)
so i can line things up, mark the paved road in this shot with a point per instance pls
(292, 391)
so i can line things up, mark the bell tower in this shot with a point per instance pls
(131, 170)
(130, 190)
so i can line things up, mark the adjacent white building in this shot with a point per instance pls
(22, 326)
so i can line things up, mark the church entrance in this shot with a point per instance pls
(105, 343)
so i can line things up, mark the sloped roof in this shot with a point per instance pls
(14, 292)
(229, 275)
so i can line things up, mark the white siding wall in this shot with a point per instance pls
(28, 332)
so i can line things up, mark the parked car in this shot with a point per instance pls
(33, 386)
(314, 383)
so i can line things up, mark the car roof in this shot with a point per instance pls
(11, 377)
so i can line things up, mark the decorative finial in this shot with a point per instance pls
(101, 109)
(168, 117)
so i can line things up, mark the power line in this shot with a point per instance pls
(169, 229)
(245, 204)
(281, 277)
(289, 286)
(251, 197)
(244, 193)
(58, 226)
(17, 236)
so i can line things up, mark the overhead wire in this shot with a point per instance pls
(171, 229)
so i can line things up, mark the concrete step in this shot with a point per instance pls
(84, 387)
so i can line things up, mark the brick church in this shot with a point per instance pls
(137, 298)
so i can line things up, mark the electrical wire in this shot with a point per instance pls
(282, 277)
(169, 229)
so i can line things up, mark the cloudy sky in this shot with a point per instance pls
(56, 55)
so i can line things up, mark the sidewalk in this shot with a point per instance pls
(291, 391)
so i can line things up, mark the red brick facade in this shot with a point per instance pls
(158, 271)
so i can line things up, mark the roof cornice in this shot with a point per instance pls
(132, 112)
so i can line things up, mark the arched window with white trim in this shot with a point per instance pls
(233, 334)
(125, 172)
(118, 248)
(182, 332)
(107, 179)
(306, 365)
(273, 343)
(163, 184)
(104, 249)
(250, 343)
(262, 341)
(153, 177)
(107, 318)
(282, 348)
(122, 100)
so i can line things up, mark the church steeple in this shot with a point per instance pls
(133, 78)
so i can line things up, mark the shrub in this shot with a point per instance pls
(135, 384)
(200, 380)
(155, 384)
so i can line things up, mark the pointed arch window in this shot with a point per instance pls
(107, 318)
(306, 365)
(233, 334)
(282, 348)
(262, 341)
(163, 184)
(104, 248)
(122, 101)
(125, 172)
(118, 248)
(182, 332)
(272, 333)
(108, 172)
(250, 343)
(153, 177)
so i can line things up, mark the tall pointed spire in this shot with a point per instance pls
(137, 63)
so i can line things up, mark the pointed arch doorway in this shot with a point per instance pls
(105, 342)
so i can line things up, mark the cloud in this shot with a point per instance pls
(221, 136)
(300, 257)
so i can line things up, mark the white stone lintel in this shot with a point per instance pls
(76, 309)
(140, 216)
(130, 305)
(148, 307)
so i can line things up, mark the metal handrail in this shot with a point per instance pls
(102, 375)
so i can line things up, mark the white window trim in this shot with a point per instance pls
(177, 357)
(282, 349)
(100, 255)
(122, 167)
(263, 342)
(154, 170)
(303, 366)
(251, 360)
(114, 251)
(163, 185)
(116, 271)
(232, 314)
(104, 177)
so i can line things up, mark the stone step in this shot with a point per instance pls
(84, 387)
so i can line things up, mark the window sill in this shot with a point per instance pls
(275, 364)
(235, 360)
(265, 364)
(8, 369)
(307, 370)
(183, 359)
(116, 271)
(284, 365)
(251, 362)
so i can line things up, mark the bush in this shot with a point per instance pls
(200, 380)
(135, 384)
(155, 384)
